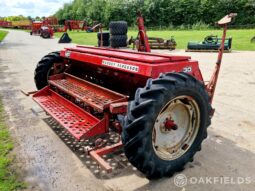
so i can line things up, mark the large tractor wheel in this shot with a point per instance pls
(45, 68)
(105, 35)
(118, 41)
(166, 124)
(118, 27)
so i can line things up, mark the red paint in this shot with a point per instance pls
(94, 107)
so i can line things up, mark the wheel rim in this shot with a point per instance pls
(176, 128)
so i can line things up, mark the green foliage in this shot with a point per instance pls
(241, 38)
(2, 35)
(191, 13)
(8, 178)
(16, 18)
(200, 26)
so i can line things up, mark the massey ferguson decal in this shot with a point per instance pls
(121, 66)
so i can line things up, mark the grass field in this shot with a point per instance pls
(241, 38)
(2, 35)
(8, 178)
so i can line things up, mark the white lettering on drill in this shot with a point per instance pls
(67, 54)
(187, 69)
(121, 66)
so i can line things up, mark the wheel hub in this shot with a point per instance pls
(176, 128)
(169, 125)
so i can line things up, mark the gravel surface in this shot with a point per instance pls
(46, 155)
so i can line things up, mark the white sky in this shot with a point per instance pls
(30, 7)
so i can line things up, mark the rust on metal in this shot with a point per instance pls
(28, 93)
(118, 107)
(96, 155)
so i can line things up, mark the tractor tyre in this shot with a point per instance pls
(44, 69)
(105, 43)
(117, 41)
(106, 36)
(118, 28)
(45, 34)
(166, 124)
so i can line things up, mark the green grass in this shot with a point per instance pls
(8, 178)
(241, 38)
(2, 35)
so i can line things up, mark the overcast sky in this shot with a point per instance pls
(30, 7)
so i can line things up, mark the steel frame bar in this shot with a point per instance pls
(96, 155)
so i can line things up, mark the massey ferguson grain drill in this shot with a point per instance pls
(159, 104)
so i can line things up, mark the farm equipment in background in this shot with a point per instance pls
(94, 28)
(160, 43)
(211, 43)
(74, 25)
(36, 28)
(155, 43)
(81, 25)
(47, 32)
(5, 24)
(118, 34)
(42, 29)
(159, 104)
(23, 24)
(65, 38)
(46, 28)
(152, 42)
(53, 23)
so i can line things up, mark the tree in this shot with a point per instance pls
(159, 12)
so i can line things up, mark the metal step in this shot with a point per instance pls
(78, 122)
(96, 96)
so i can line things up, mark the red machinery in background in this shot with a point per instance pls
(52, 25)
(42, 28)
(74, 25)
(46, 28)
(81, 25)
(5, 24)
(143, 44)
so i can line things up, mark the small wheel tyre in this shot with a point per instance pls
(118, 28)
(44, 69)
(166, 124)
(105, 35)
(45, 34)
(105, 43)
